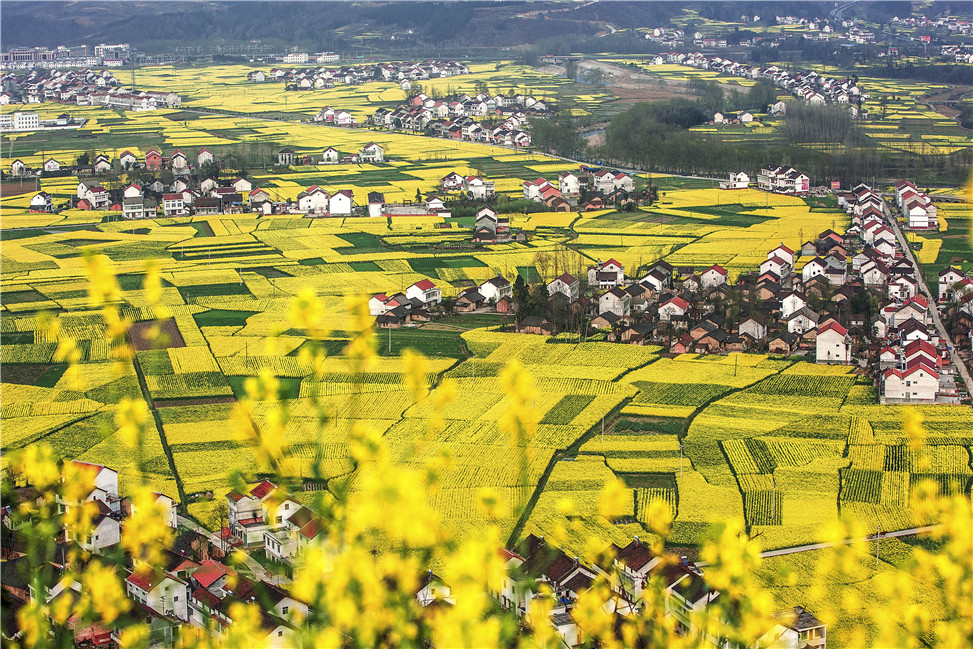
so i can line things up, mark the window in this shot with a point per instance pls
(283, 611)
(280, 634)
(287, 506)
(280, 519)
(175, 598)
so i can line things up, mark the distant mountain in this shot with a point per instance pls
(158, 26)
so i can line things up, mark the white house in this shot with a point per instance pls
(424, 291)
(783, 252)
(833, 344)
(738, 180)
(801, 321)
(606, 274)
(341, 203)
(52, 165)
(813, 268)
(495, 289)
(919, 382)
(616, 301)
(376, 304)
(376, 204)
(567, 284)
(947, 278)
(18, 168)
(795, 629)
(479, 188)
(754, 329)
(313, 200)
(713, 276)
(204, 156)
(675, 306)
(330, 155)
(569, 184)
(159, 591)
(793, 301)
(372, 152)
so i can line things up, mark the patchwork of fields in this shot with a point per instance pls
(783, 446)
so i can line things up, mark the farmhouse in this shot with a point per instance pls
(372, 153)
(833, 344)
(566, 285)
(424, 291)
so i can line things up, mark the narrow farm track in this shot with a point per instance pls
(157, 419)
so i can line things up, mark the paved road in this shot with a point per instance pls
(254, 567)
(821, 546)
(934, 310)
(810, 547)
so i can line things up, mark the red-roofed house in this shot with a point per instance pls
(674, 306)
(917, 383)
(783, 252)
(833, 344)
(159, 591)
(376, 304)
(713, 276)
(424, 291)
(153, 159)
(212, 576)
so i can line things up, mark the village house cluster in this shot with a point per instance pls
(585, 190)
(26, 121)
(917, 208)
(467, 117)
(806, 85)
(807, 300)
(82, 87)
(321, 77)
(194, 584)
(76, 56)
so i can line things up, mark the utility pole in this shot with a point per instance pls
(680, 459)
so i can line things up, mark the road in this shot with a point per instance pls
(822, 546)
(810, 547)
(251, 563)
(933, 310)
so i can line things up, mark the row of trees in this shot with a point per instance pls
(656, 137)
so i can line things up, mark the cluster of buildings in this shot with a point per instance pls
(25, 121)
(83, 87)
(26, 58)
(798, 301)
(189, 584)
(456, 117)
(806, 85)
(918, 210)
(192, 583)
(585, 190)
(778, 179)
(320, 78)
(537, 570)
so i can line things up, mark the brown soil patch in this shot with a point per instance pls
(15, 189)
(169, 335)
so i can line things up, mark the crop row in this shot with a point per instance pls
(645, 496)
(861, 485)
(763, 507)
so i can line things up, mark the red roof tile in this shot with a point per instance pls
(263, 489)
(210, 571)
